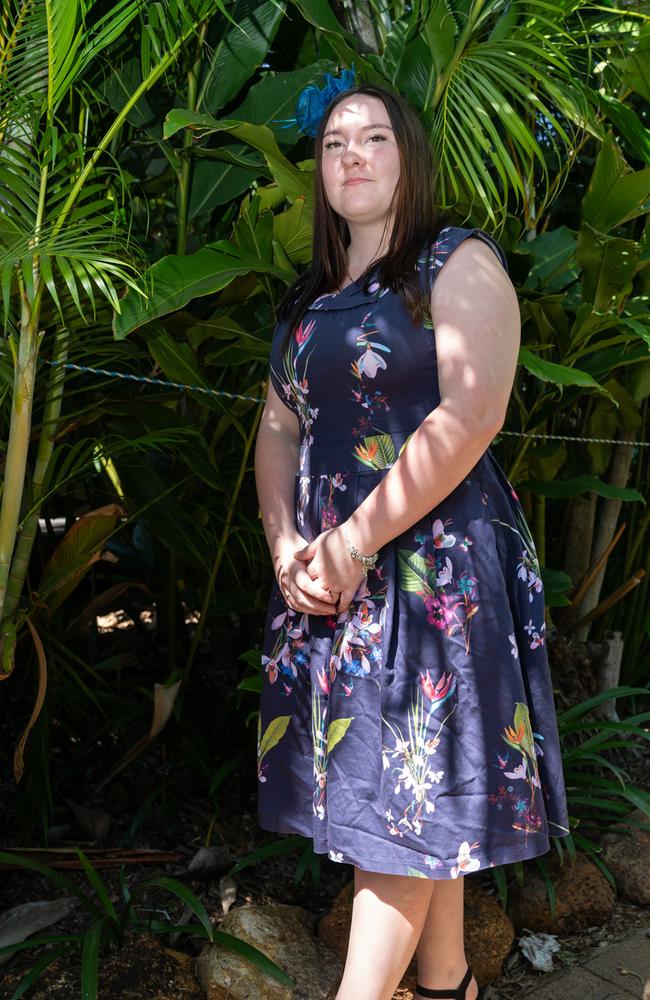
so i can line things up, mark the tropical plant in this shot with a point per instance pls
(65, 252)
(109, 924)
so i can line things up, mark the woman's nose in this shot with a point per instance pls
(351, 154)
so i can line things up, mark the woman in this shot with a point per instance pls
(407, 720)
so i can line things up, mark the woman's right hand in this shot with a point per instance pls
(300, 592)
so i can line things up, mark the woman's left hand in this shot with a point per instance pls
(331, 564)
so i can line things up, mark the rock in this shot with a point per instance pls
(584, 897)
(489, 934)
(284, 934)
(210, 861)
(628, 859)
(334, 927)
(25, 919)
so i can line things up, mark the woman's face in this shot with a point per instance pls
(360, 159)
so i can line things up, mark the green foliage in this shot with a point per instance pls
(109, 925)
(154, 210)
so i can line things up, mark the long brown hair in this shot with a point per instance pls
(414, 215)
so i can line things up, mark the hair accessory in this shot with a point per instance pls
(313, 101)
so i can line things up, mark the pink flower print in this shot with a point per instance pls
(304, 332)
(439, 614)
(466, 863)
(440, 539)
(439, 691)
(271, 667)
(323, 680)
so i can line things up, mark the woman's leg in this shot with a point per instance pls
(441, 948)
(388, 915)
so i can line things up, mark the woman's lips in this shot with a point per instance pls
(355, 180)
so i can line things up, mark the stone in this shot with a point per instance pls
(628, 859)
(584, 897)
(489, 934)
(210, 861)
(578, 984)
(285, 934)
(625, 964)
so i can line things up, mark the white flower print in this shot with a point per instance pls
(536, 634)
(370, 362)
(445, 576)
(466, 863)
(440, 539)
(514, 651)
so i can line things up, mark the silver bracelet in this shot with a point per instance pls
(368, 562)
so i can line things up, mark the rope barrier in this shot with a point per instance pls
(166, 384)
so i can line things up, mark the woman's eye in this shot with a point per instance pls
(381, 137)
(331, 144)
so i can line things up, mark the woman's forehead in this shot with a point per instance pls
(356, 112)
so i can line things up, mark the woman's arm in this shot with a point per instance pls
(276, 463)
(477, 329)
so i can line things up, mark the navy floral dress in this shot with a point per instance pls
(414, 734)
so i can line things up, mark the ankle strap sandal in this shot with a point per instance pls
(457, 994)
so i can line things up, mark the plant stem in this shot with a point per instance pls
(184, 177)
(461, 45)
(209, 590)
(51, 415)
(19, 434)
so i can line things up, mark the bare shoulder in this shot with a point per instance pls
(473, 278)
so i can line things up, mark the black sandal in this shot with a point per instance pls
(457, 994)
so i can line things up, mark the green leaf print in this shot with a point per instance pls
(413, 571)
(336, 731)
(415, 873)
(522, 718)
(377, 452)
(274, 733)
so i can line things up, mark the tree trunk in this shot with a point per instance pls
(608, 518)
(579, 536)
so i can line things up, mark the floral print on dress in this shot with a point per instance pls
(296, 386)
(290, 651)
(329, 516)
(357, 647)
(272, 736)
(461, 584)
(415, 774)
(465, 863)
(450, 597)
(522, 799)
(324, 738)
(367, 366)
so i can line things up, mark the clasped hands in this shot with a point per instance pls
(320, 578)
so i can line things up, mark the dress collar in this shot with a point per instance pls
(349, 297)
